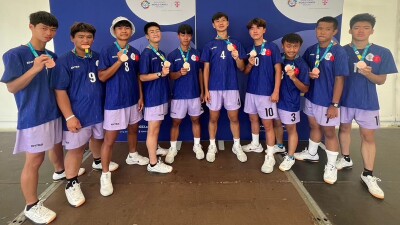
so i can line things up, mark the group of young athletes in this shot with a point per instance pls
(85, 96)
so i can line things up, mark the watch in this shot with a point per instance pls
(159, 74)
(336, 105)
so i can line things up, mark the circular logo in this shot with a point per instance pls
(97, 62)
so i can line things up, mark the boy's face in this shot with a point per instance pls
(325, 31)
(123, 33)
(361, 31)
(82, 38)
(43, 32)
(221, 24)
(257, 32)
(291, 49)
(185, 39)
(153, 34)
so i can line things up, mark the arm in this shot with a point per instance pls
(178, 74)
(154, 76)
(376, 79)
(206, 74)
(278, 79)
(141, 99)
(64, 104)
(201, 85)
(24, 80)
(249, 66)
(106, 74)
(337, 94)
(302, 87)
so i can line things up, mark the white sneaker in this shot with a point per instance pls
(58, 177)
(287, 163)
(106, 187)
(39, 214)
(170, 157)
(135, 158)
(74, 195)
(330, 174)
(112, 167)
(161, 151)
(373, 187)
(341, 163)
(237, 149)
(268, 165)
(160, 167)
(306, 156)
(279, 150)
(198, 149)
(212, 150)
(252, 147)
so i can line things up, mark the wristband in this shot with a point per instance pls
(70, 117)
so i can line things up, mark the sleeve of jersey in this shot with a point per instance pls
(341, 63)
(144, 63)
(305, 57)
(242, 51)
(277, 55)
(104, 61)
(12, 67)
(205, 54)
(171, 59)
(60, 77)
(388, 65)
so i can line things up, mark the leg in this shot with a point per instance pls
(172, 152)
(254, 145)
(269, 132)
(233, 116)
(196, 129)
(368, 148)
(132, 137)
(213, 124)
(95, 147)
(311, 153)
(152, 139)
(175, 129)
(30, 176)
(110, 136)
(293, 138)
(332, 151)
(56, 156)
(278, 132)
(345, 138)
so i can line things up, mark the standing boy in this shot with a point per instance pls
(222, 57)
(328, 62)
(265, 73)
(187, 94)
(368, 64)
(119, 68)
(27, 71)
(154, 69)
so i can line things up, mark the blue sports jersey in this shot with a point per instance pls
(122, 89)
(223, 69)
(188, 86)
(156, 92)
(78, 77)
(262, 76)
(289, 94)
(36, 103)
(359, 92)
(334, 64)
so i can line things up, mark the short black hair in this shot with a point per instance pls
(123, 23)
(258, 22)
(150, 24)
(82, 27)
(219, 15)
(185, 29)
(292, 38)
(329, 19)
(43, 17)
(363, 17)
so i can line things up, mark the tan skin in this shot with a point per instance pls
(291, 50)
(221, 26)
(123, 35)
(154, 36)
(360, 32)
(257, 34)
(185, 40)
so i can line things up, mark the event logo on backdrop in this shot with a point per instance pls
(282, 16)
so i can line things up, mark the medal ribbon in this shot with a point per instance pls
(185, 59)
(157, 53)
(35, 53)
(262, 47)
(317, 61)
(361, 57)
(119, 47)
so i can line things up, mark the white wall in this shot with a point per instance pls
(14, 31)
(386, 34)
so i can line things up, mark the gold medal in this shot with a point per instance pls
(186, 65)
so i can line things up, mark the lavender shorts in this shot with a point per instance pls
(76, 140)
(119, 119)
(368, 119)
(230, 99)
(261, 105)
(155, 113)
(40, 138)
(319, 113)
(179, 108)
(287, 117)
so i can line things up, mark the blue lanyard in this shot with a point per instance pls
(119, 47)
(157, 53)
(226, 41)
(185, 59)
(262, 47)
(361, 58)
(35, 53)
(317, 61)
(87, 55)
